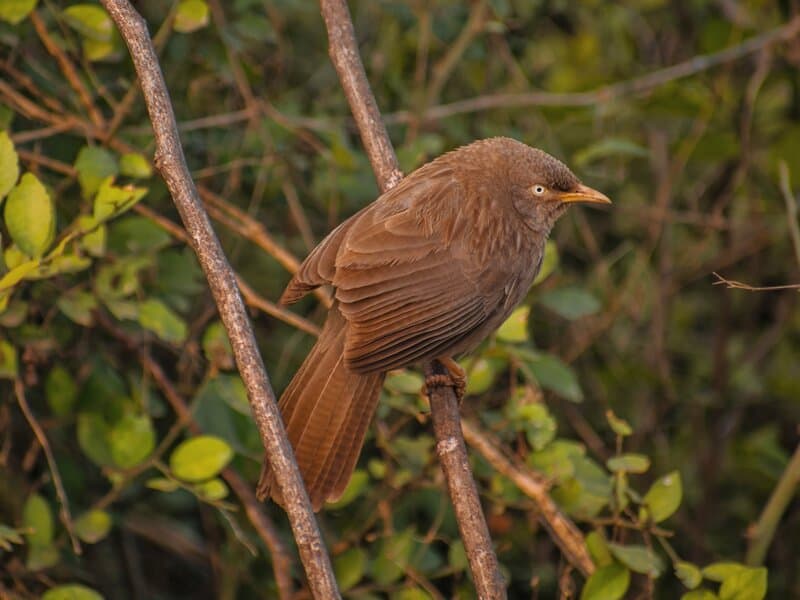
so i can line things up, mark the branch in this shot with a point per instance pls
(563, 531)
(171, 163)
(738, 285)
(343, 50)
(344, 53)
(763, 531)
(66, 517)
(630, 87)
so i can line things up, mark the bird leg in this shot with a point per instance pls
(456, 377)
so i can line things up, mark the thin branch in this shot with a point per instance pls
(791, 207)
(563, 531)
(69, 71)
(452, 452)
(281, 561)
(606, 93)
(170, 161)
(738, 285)
(763, 531)
(343, 50)
(66, 517)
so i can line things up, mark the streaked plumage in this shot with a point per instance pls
(427, 270)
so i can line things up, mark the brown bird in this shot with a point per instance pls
(425, 272)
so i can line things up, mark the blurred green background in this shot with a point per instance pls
(102, 301)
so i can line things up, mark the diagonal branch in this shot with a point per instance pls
(344, 53)
(171, 162)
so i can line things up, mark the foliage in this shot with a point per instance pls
(661, 410)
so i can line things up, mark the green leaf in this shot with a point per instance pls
(93, 239)
(131, 440)
(515, 328)
(30, 216)
(349, 567)
(79, 306)
(217, 346)
(738, 581)
(135, 165)
(94, 165)
(551, 373)
(93, 434)
(93, 526)
(95, 50)
(700, 595)
(720, 571)
(457, 556)
(191, 16)
(628, 463)
(355, 487)
(662, 499)
(157, 317)
(404, 382)
(60, 390)
(89, 20)
(162, 484)
(607, 583)
(598, 549)
(9, 161)
(689, 574)
(14, 11)
(42, 557)
(37, 516)
(392, 558)
(9, 536)
(8, 361)
(619, 426)
(18, 273)
(638, 558)
(480, 375)
(549, 262)
(113, 200)
(72, 591)
(571, 303)
(200, 458)
(65, 263)
(211, 490)
(538, 424)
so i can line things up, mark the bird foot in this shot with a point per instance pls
(455, 378)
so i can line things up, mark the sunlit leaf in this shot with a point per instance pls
(191, 15)
(30, 216)
(200, 458)
(73, 591)
(570, 303)
(94, 165)
(89, 20)
(9, 161)
(607, 583)
(349, 567)
(629, 463)
(638, 558)
(515, 328)
(93, 526)
(157, 317)
(663, 498)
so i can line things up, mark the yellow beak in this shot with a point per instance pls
(583, 193)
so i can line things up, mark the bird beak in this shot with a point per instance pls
(585, 194)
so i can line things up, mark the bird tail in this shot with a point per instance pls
(326, 410)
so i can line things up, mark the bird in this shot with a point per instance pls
(425, 272)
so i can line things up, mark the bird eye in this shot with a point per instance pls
(538, 190)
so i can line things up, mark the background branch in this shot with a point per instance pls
(170, 161)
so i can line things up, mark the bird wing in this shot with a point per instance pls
(408, 288)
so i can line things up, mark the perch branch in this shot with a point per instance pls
(66, 517)
(172, 165)
(343, 50)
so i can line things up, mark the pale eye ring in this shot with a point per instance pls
(538, 189)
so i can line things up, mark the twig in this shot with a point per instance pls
(563, 531)
(68, 70)
(738, 285)
(791, 207)
(762, 532)
(66, 517)
(607, 93)
(344, 54)
(461, 486)
(170, 161)
(265, 529)
(444, 405)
